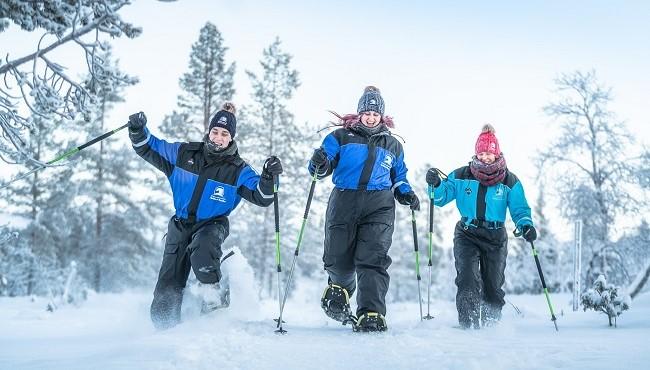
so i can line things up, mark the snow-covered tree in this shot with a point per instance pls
(605, 298)
(115, 252)
(595, 171)
(205, 87)
(82, 211)
(42, 198)
(268, 128)
(8, 251)
(636, 249)
(37, 82)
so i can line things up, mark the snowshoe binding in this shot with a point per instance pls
(336, 304)
(215, 296)
(370, 322)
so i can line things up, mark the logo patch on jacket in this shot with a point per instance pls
(387, 163)
(468, 191)
(499, 192)
(218, 194)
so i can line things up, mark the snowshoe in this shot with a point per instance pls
(370, 322)
(336, 304)
(215, 296)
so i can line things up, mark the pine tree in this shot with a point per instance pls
(36, 256)
(206, 86)
(268, 128)
(114, 247)
(605, 298)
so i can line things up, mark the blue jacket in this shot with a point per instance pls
(203, 187)
(480, 202)
(361, 162)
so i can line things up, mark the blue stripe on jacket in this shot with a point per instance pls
(217, 199)
(387, 171)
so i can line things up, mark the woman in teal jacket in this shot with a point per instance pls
(483, 190)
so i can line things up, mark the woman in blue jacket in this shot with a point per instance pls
(367, 164)
(208, 179)
(482, 190)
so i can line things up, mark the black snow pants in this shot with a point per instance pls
(480, 256)
(188, 245)
(358, 233)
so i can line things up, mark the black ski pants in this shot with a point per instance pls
(358, 233)
(480, 256)
(188, 245)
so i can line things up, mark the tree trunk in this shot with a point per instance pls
(99, 216)
(642, 278)
(30, 279)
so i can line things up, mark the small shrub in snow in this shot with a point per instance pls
(605, 298)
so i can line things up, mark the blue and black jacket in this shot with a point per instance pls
(484, 203)
(364, 162)
(203, 188)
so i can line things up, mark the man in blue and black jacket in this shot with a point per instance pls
(208, 180)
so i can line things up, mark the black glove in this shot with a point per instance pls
(433, 178)
(408, 199)
(319, 158)
(137, 121)
(529, 233)
(272, 167)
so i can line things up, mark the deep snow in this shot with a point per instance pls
(112, 331)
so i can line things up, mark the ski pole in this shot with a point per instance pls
(278, 263)
(300, 235)
(541, 277)
(65, 155)
(417, 259)
(431, 208)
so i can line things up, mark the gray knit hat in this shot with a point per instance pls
(371, 100)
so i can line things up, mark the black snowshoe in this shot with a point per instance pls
(370, 322)
(336, 304)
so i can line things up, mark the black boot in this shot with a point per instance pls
(336, 304)
(371, 322)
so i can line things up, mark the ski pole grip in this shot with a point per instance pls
(276, 183)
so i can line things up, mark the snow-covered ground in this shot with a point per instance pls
(112, 331)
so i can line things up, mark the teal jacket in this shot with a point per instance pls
(480, 202)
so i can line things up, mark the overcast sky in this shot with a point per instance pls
(444, 68)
